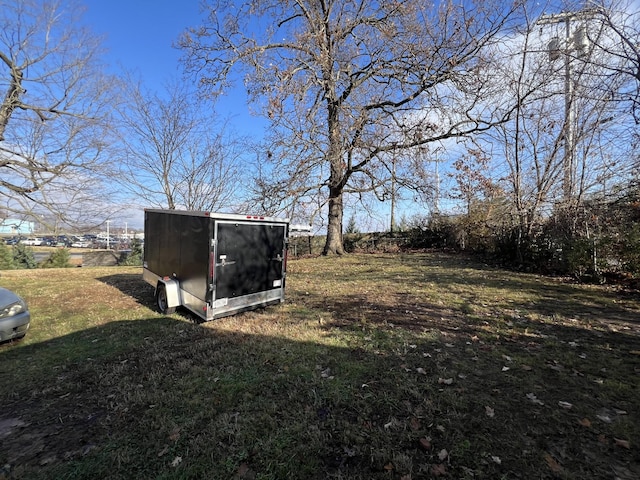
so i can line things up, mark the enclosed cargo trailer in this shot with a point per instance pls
(214, 264)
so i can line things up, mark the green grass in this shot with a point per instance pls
(377, 366)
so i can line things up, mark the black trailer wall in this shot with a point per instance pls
(181, 249)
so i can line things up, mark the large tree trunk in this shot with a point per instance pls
(334, 245)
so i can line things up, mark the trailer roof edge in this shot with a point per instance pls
(218, 215)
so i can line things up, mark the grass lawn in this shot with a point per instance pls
(404, 366)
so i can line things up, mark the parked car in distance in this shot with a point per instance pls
(49, 241)
(12, 240)
(14, 316)
(80, 242)
(63, 241)
(32, 241)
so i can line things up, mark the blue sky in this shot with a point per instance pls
(139, 35)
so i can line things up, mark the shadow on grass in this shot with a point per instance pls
(163, 398)
(132, 285)
(367, 384)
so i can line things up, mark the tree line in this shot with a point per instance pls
(524, 116)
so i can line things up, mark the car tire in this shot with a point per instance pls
(161, 301)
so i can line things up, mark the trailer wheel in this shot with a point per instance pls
(161, 301)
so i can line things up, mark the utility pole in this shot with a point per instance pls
(436, 203)
(393, 195)
(573, 42)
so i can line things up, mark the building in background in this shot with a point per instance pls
(13, 226)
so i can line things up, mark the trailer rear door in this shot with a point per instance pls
(249, 258)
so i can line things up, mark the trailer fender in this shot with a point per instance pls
(171, 293)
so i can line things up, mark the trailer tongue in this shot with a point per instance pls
(214, 264)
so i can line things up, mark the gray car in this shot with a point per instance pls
(14, 316)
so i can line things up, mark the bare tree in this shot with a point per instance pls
(560, 146)
(619, 40)
(176, 157)
(349, 84)
(53, 115)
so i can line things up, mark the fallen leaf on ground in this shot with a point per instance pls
(496, 459)
(244, 471)
(443, 454)
(438, 470)
(489, 411)
(532, 397)
(414, 424)
(552, 463)
(421, 371)
(622, 443)
(585, 422)
(388, 467)
(175, 434)
(425, 443)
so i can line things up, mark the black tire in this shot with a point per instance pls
(161, 301)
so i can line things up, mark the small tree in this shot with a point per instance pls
(6, 258)
(23, 256)
(351, 226)
(58, 259)
(134, 257)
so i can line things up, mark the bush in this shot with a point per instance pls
(629, 251)
(58, 259)
(434, 232)
(6, 258)
(23, 256)
(350, 241)
(134, 257)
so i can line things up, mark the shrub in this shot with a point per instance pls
(23, 256)
(6, 258)
(58, 259)
(631, 250)
(134, 257)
